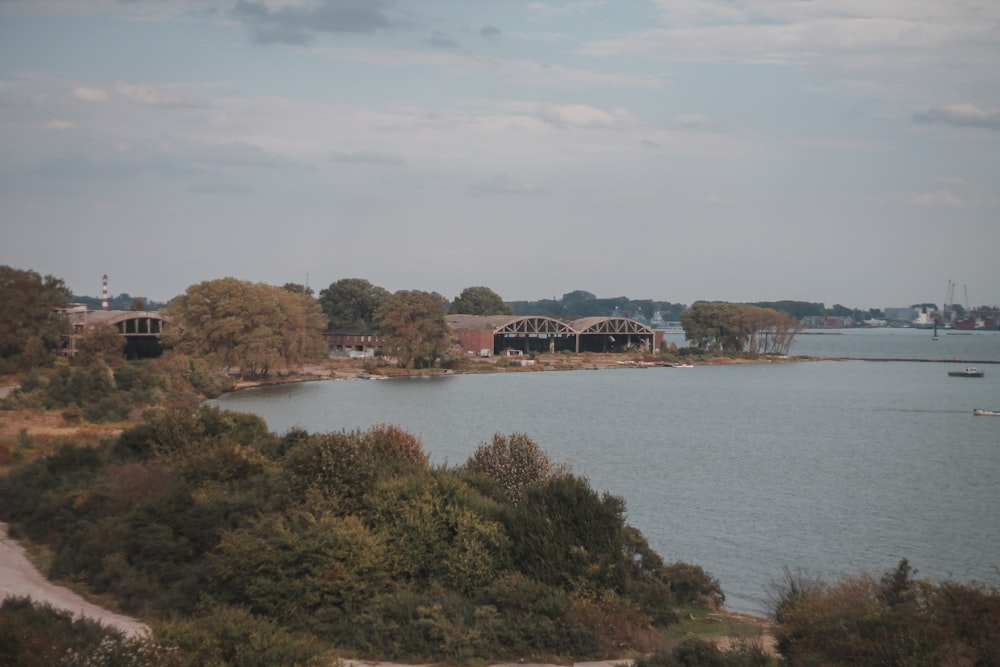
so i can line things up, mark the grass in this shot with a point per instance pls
(707, 623)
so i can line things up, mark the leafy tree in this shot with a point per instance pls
(797, 309)
(838, 310)
(100, 343)
(565, 534)
(414, 328)
(138, 304)
(351, 303)
(295, 566)
(30, 333)
(515, 462)
(480, 301)
(297, 288)
(734, 328)
(252, 327)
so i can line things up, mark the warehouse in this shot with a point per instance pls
(487, 335)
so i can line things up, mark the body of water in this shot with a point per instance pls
(832, 467)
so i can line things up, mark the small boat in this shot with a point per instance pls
(986, 413)
(970, 372)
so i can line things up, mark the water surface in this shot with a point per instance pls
(833, 466)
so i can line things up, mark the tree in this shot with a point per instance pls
(351, 303)
(480, 301)
(298, 288)
(414, 329)
(30, 332)
(515, 462)
(101, 342)
(732, 328)
(252, 327)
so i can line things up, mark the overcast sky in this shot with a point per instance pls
(843, 151)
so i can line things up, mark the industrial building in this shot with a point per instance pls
(487, 335)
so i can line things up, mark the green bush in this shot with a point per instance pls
(565, 534)
(225, 635)
(36, 635)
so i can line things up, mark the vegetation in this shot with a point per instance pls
(581, 303)
(251, 327)
(479, 301)
(516, 463)
(893, 620)
(414, 329)
(350, 304)
(33, 635)
(736, 328)
(211, 524)
(123, 301)
(31, 334)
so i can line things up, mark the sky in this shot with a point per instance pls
(835, 151)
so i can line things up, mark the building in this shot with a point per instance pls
(487, 335)
(353, 343)
(140, 328)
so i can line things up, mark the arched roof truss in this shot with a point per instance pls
(609, 325)
(535, 325)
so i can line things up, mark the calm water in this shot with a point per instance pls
(834, 467)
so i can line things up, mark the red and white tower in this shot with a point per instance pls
(104, 293)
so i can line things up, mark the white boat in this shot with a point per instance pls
(986, 413)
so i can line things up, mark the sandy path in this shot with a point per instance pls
(19, 578)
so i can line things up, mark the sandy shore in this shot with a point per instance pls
(19, 578)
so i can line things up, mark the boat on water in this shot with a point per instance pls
(970, 372)
(679, 365)
(986, 413)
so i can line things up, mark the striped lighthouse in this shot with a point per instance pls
(104, 293)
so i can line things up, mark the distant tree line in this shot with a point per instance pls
(581, 303)
(123, 301)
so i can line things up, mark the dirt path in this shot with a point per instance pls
(19, 578)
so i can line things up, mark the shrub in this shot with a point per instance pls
(565, 534)
(894, 620)
(225, 635)
(515, 462)
(36, 635)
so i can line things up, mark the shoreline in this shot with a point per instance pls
(338, 369)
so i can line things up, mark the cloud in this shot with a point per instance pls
(695, 121)
(159, 95)
(925, 40)
(961, 115)
(86, 94)
(566, 8)
(294, 23)
(490, 31)
(442, 41)
(582, 116)
(945, 198)
(367, 157)
(504, 184)
(57, 124)
(526, 72)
